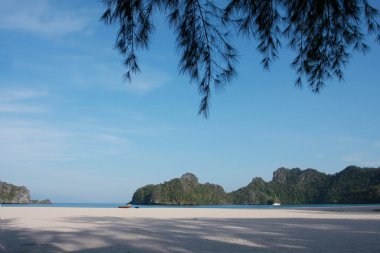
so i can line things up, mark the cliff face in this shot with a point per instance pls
(10, 193)
(289, 186)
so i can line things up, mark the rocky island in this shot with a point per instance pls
(185, 190)
(353, 185)
(12, 194)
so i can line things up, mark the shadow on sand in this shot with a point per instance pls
(122, 235)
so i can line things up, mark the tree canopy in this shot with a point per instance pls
(323, 34)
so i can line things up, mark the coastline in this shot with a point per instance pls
(229, 206)
(97, 230)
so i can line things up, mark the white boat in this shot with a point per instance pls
(276, 203)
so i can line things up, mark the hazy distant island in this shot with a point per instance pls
(12, 194)
(353, 185)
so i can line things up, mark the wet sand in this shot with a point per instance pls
(189, 230)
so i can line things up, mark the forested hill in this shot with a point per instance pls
(295, 186)
(181, 191)
(289, 186)
(12, 194)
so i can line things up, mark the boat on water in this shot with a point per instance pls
(276, 203)
(125, 206)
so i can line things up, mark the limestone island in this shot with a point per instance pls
(353, 185)
(12, 194)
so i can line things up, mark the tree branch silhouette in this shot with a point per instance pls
(323, 33)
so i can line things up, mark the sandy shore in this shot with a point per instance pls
(185, 230)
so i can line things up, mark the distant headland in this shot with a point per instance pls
(353, 185)
(12, 194)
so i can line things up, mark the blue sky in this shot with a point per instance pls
(73, 131)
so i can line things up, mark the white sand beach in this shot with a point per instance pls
(188, 230)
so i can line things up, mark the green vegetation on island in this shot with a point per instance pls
(181, 191)
(12, 194)
(353, 185)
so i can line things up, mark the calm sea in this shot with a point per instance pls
(115, 205)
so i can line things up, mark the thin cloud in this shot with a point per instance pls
(108, 75)
(110, 138)
(18, 108)
(20, 94)
(22, 101)
(351, 139)
(39, 17)
(354, 157)
(30, 141)
(39, 141)
(150, 79)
